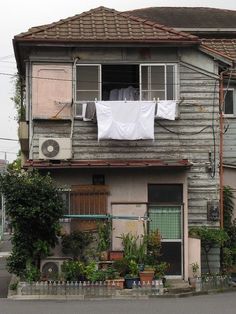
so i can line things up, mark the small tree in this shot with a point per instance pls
(210, 237)
(229, 252)
(34, 206)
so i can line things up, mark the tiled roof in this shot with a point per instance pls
(226, 47)
(189, 17)
(105, 25)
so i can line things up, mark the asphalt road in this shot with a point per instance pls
(212, 304)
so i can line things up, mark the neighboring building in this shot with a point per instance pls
(166, 169)
(217, 28)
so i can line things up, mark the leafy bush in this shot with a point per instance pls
(76, 243)
(34, 205)
(210, 237)
(32, 273)
(73, 270)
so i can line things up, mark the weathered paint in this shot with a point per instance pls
(51, 89)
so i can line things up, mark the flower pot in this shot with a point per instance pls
(146, 277)
(129, 282)
(103, 256)
(116, 255)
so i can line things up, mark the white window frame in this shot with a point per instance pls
(231, 115)
(175, 88)
(81, 102)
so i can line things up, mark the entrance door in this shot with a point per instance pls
(165, 214)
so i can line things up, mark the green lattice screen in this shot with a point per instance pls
(167, 219)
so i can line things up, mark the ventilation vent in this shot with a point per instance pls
(55, 148)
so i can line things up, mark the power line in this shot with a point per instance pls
(8, 139)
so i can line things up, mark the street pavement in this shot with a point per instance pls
(208, 304)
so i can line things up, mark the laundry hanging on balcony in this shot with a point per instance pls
(166, 109)
(125, 120)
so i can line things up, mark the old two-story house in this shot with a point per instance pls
(124, 114)
(217, 29)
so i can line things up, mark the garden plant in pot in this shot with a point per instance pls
(195, 274)
(104, 239)
(132, 277)
(153, 247)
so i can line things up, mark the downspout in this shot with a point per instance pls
(221, 96)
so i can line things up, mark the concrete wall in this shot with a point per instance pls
(194, 255)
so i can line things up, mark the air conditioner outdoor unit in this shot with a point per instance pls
(55, 148)
(50, 268)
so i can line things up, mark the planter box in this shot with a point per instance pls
(116, 255)
(117, 283)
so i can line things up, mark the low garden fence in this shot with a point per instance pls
(86, 289)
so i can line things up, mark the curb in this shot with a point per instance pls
(120, 297)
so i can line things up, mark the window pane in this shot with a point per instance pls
(165, 193)
(229, 103)
(170, 82)
(144, 77)
(87, 77)
(149, 95)
(157, 78)
(88, 95)
(167, 220)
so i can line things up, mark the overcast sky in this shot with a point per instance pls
(18, 15)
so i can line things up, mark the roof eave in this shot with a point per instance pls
(217, 55)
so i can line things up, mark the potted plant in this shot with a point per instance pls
(104, 239)
(153, 244)
(132, 275)
(113, 278)
(146, 276)
(160, 271)
(195, 274)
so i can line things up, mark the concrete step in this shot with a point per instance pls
(178, 286)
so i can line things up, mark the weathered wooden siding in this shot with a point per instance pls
(188, 137)
(230, 138)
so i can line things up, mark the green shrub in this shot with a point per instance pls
(73, 270)
(76, 243)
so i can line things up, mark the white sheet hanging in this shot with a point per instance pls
(166, 109)
(125, 120)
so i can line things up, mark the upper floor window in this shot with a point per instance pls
(230, 102)
(158, 81)
(124, 82)
(88, 78)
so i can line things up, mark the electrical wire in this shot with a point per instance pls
(102, 82)
(182, 133)
(8, 139)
